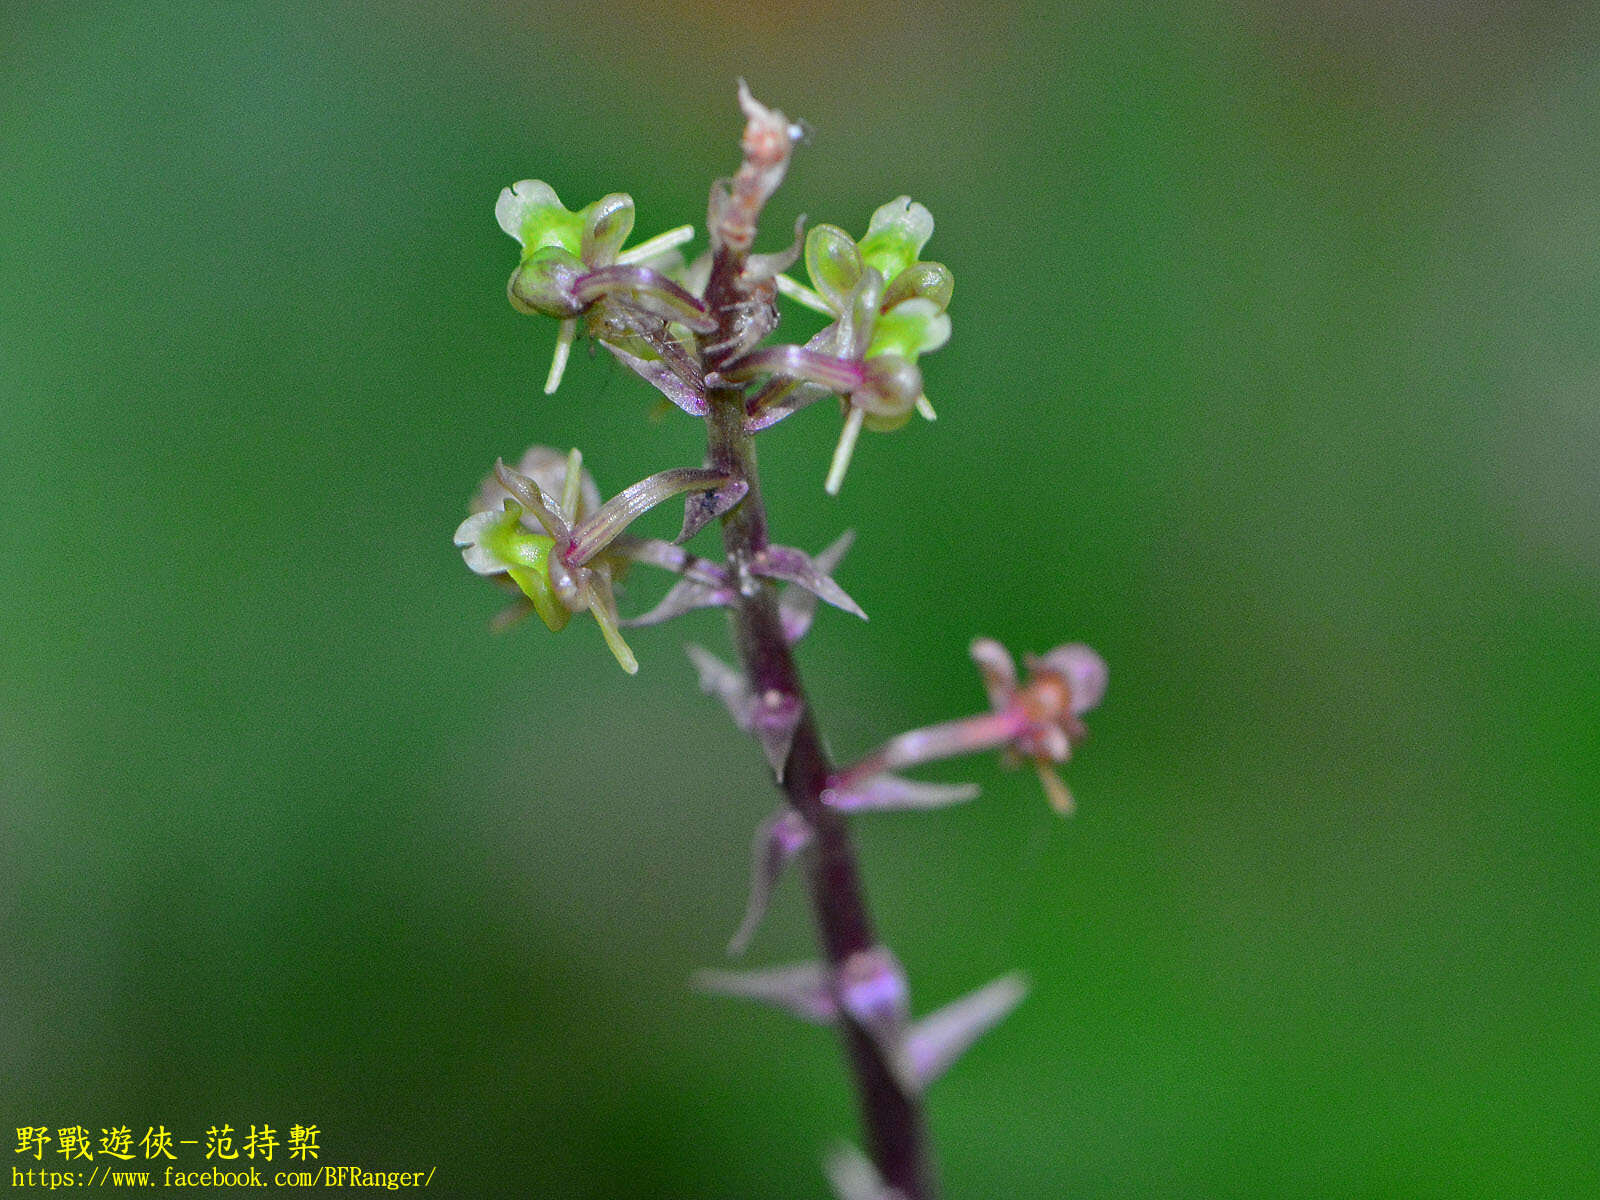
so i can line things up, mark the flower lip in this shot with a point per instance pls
(1082, 670)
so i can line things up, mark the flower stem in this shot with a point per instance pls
(896, 1130)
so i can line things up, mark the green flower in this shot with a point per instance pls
(896, 234)
(573, 263)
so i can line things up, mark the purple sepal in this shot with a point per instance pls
(684, 596)
(771, 716)
(937, 1040)
(779, 840)
(801, 989)
(890, 793)
(701, 508)
(796, 567)
(798, 607)
(664, 379)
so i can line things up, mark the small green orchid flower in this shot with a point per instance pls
(544, 528)
(896, 234)
(573, 262)
(887, 305)
(495, 543)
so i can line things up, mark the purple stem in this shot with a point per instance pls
(896, 1129)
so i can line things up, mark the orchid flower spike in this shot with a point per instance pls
(573, 265)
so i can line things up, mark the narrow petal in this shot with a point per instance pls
(801, 294)
(628, 505)
(844, 451)
(547, 467)
(558, 361)
(531, 496)
(1055, 790)
(777, 843)
(796, 567)
(701, 508)
(950, 739)
(657, 553)
(664, 379)
(998, 671)
(798, 607)
(937, 1040)
(603, 607)
(758, 268)
(727, 684)
(662, 243)
(686, 595)
(890, 793)
(778, 398)
(801, 989)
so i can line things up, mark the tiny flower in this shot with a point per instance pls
(573, 266)
(888, 309)
(1038, 721)
(547, 531)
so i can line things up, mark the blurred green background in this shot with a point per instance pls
(1276, 377)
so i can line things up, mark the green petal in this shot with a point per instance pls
(895, 236)
(833, 263)
(909, 329)
(606, 225)
(530, 212)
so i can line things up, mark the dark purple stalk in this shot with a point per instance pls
(897, 1137)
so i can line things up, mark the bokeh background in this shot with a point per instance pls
(1276, 377)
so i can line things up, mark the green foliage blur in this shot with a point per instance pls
(1276, 377)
